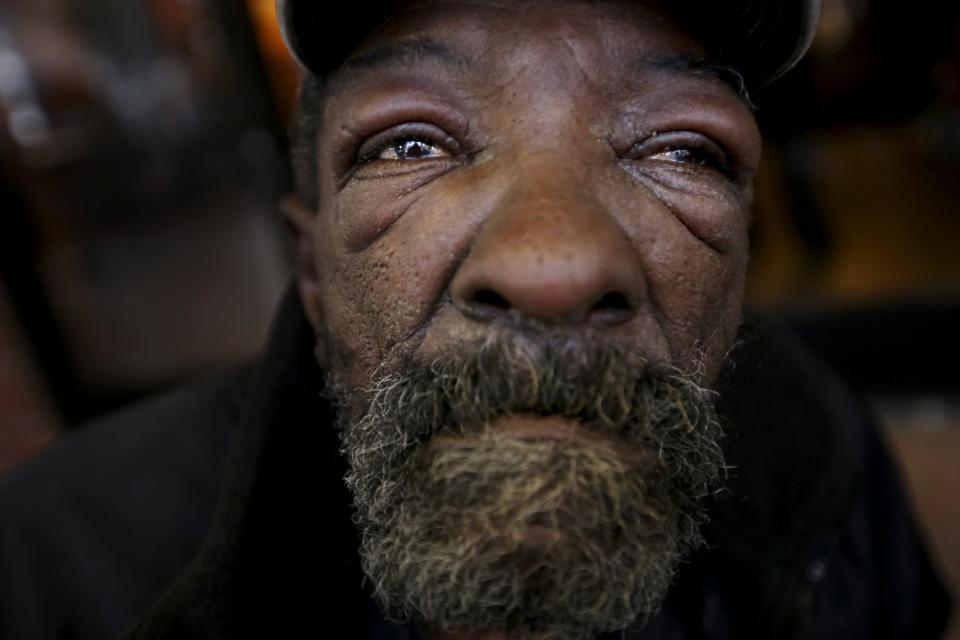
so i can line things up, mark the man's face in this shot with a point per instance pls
(532, 223)
(563, 161)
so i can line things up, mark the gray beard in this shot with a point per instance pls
(538, 539)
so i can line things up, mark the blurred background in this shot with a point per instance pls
(142, 151)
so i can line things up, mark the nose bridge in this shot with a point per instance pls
(550, 249)
(549, 209)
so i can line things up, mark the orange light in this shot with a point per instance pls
(283, 72)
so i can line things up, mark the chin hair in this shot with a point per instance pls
(537, 538)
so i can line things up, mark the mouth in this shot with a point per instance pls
(561, 430)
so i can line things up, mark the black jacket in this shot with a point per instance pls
(811, 539)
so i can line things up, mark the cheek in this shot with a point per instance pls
(709, 206)
(370, 208)
(369, 298)
(386, 281)
(699, 293)
(693, 245)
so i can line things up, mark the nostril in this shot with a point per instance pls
(613, 301)
(491, 299)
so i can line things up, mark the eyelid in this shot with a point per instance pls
(375, 145)
(657, 143)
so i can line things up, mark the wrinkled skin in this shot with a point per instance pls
(546, 164)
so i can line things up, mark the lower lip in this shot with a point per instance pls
(563, 430)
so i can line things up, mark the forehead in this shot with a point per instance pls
(617, 25)
(604, 40)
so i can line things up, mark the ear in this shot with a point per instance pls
(301, 222)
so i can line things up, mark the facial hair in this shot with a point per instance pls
(538, 539)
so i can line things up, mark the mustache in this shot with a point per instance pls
(583, 378)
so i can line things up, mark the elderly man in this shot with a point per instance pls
(521, 238)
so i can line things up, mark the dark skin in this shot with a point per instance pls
(559, 161)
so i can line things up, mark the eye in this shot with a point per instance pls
(408, 142)
(411, 149)
(687, 154)
(685, 148)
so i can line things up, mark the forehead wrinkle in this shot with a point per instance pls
(410, 51)
(566, 60)
(556, 62)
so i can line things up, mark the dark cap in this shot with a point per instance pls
(761, 38)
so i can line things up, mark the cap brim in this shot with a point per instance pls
(763, 39)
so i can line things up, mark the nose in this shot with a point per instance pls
(550, 251)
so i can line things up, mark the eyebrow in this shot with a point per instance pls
(420, 48)
(699, 67)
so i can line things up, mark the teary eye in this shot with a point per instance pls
(686, 154)
(685, 148)
(411, 149)
(408, 142)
